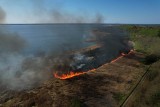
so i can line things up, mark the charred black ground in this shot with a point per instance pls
(111, 42)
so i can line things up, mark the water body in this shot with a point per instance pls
(58, 38)
(52, 37)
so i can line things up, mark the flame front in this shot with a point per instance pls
(73, 74)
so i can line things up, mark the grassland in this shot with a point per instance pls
(108, 86)
(146, 40)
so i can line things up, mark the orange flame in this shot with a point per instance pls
(73, 74)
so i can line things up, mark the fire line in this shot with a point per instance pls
(73, 74)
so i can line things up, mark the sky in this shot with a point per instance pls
(109, 11)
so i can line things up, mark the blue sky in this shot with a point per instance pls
(114, 11)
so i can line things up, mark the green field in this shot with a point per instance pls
(147, 40)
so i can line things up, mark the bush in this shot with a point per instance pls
(150, 59)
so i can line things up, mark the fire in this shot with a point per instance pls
(114, 60)
(73, 74)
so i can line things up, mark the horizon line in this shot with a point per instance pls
(78, 23)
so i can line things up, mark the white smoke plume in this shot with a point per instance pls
(2, 16)
(17, 70)
(60, 15)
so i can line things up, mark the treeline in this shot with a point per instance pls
(153, 31)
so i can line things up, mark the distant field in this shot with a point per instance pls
(146, 40)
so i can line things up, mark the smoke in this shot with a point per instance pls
(112, 38)
(19, 71)
(112, 41)
(10, 42)
(2, 16)
(59, 15)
